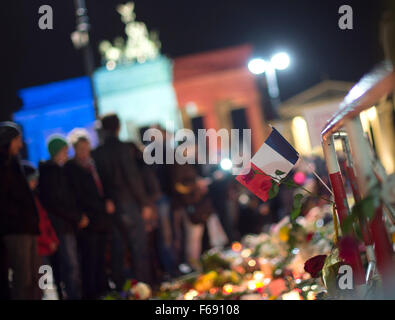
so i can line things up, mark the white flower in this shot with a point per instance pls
(141, 291)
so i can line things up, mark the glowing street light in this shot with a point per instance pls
(258, 66)
(280, 61)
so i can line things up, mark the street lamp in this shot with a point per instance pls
(80, 39)
(258, 66)
(280, 61)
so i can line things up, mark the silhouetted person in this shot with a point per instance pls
(47, 241)
(58, 198)
(18, 218)
(122, 183)
(88, 191)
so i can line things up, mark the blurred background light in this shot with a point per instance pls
(299, 178)
(280, 61)
(226, 164)
(244, 199)
(301, 136)
(372, 113)
(257, 66)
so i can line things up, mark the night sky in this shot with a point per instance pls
(307, 29)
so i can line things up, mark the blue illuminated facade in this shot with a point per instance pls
(54, 108)
(141, 94)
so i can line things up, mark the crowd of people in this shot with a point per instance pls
(102, 216)
(105, 216)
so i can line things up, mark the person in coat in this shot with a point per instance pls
(192, 209)
(88, 191)
(18, 219)
(58, 199)
(123, 184)
(47, 241)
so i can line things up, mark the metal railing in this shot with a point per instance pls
(362, 170)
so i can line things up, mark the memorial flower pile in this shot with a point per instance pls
(267, 266)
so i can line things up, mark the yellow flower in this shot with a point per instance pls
(210, 275)
(206, 281)
(234, 277)
(284, 233)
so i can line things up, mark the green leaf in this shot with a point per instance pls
(112, 296)
(274, 189)
(298, 200)
(347, 225)
(289, 183)
(257, 250)
(358, 232)
(126, 286)
(369, 206)
(279, 173)
(297, 205)
(295, 213)
(365, 207)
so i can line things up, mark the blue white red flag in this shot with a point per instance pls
(274, 156)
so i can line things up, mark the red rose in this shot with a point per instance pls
(266, 185)
(314, 265)
(309, 236)
(133, 282)
(249, 176)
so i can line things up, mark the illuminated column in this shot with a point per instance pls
(301, 136)
(383, 136)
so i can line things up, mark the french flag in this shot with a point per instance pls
(275, 155)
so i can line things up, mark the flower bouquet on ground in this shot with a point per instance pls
(266, 266)
(132, 290)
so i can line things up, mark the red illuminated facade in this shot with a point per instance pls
(216, 90)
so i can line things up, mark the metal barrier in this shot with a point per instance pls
(362, 170)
